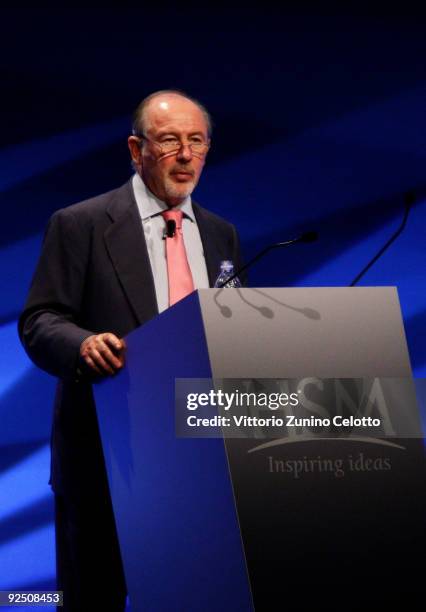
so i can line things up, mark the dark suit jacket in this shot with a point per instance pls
(94, 276)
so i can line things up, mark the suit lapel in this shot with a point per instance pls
(212, 253)
(126, 245)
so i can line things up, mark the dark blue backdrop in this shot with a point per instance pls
(319, 123)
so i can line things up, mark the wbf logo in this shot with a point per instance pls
(367, 408)
(341, 406)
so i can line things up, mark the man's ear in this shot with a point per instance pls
(134, 145)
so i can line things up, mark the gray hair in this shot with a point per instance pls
(139, 124)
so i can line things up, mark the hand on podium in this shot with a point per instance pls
(103, 354)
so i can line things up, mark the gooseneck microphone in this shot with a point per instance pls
(307, 237)
(409, 200)
(170, 229)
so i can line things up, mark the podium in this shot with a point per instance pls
(204, 524)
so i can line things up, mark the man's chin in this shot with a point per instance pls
(179, 191)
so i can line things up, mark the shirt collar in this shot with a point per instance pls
(150, 206)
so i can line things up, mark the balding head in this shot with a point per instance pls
(158, 100)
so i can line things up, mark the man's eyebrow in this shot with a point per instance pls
(161, 133)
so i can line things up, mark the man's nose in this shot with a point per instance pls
(185, 152)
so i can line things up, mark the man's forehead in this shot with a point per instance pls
(165, 110)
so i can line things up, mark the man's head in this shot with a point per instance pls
(171, 137)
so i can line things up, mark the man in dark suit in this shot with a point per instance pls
(103, 271)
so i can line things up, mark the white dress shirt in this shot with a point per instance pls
(150, 209)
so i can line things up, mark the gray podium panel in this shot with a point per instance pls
(331, 524)
(329, 332)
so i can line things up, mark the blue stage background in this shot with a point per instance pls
(320, 124)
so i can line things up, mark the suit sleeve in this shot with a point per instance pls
(49, 326)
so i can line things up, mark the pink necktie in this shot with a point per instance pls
(178, 270)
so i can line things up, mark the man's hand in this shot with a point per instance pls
(103, 354)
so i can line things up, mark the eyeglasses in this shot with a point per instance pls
(173, 145)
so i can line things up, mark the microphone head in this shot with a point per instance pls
(171, 228)
(308, 237)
